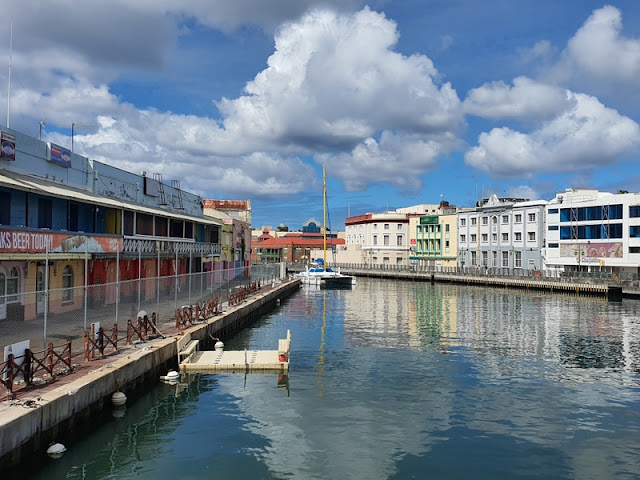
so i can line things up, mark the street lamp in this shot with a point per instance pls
(43, 122)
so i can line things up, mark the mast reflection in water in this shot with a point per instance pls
(398, 380)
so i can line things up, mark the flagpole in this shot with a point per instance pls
(9, 87)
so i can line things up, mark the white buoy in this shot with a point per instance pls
(171, 376)
(118, 398)
(56, 450)
(219, 346)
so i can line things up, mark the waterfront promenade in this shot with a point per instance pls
(41, 412)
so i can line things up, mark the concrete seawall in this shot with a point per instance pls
(59, 411)
(612, 292)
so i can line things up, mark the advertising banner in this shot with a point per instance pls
(59, 155)
(14, 241)
(591, 250)
(7, 146)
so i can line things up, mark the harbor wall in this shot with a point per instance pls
(64, 411)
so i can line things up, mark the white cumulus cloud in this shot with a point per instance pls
(586, 136)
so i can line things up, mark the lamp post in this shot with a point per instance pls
(43, 122)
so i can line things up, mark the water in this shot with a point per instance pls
(397, 380)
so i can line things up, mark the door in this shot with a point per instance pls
(40, 291)
(3, 296)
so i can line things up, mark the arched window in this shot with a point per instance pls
(67, 284)
(13, 286)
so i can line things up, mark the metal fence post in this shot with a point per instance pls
(139, 272)
(46, 291)
(117, 283)
(86, 281)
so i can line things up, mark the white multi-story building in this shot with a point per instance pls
(383, 238)
(588, 230)
(502, 233)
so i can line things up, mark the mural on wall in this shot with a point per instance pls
(590, 250)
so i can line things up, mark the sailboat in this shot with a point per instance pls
(318, 272)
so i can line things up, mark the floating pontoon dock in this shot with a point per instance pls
(240, 361)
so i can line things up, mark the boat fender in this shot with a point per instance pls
(172, 375)
(56, 450)
(282, 357)
(118, 398)
(219, 346)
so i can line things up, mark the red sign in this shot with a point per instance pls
(413, 241)
(12, 241)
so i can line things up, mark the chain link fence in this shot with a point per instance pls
(54, 315)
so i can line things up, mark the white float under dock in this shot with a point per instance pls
(240, 361)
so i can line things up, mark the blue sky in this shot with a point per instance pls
(405, 102)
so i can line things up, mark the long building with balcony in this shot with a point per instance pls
(69, 221)
(434, 239)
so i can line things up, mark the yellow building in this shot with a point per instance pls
(433, 240)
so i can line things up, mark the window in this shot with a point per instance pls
(494, 237)
(473, 238)
(72, 216)
(485, 258)
(473, 221)
(517, 218)
(45, 208)
(553, 245)
(485, 237)
(463, 222)
(386, 226)
(554, 227)
(128, 222)
(634, 249)
(485, 220)
(385, 260)
(399, 240)
(375, 239)
(505, 237)
(531, 217)
(531, 236)
(517, 236)
(505, 219)
(463, 238)
(5, 208)
(386, 240)
(375, 226)
(473, 258)
(518, 259)
(446, 245)
(67, 284)
(144, 224)
(634, 212)
(399, 226)
(553, 210)
(375, 259)
(13, 286)
(634, 232)
(161, 227)
(495, 259)
(505, 259)
(446, 228)
(494, 220)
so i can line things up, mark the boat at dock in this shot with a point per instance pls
(318, 273)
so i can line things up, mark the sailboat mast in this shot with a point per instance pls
(324, 214)
(9, 85)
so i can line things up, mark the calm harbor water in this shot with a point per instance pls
(397, 380)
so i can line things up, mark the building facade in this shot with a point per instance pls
(588, 230)
(434, 240)
(59, 210)
(502, 233)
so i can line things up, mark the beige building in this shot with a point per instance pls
(382, 238)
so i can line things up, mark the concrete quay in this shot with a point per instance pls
(58, 411)
(528, 283)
